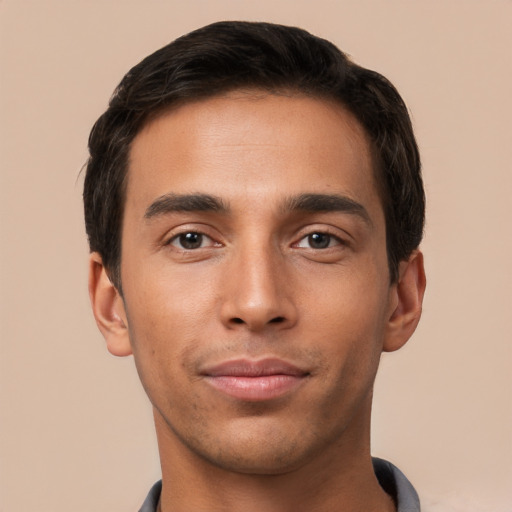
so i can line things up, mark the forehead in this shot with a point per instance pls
(249, 144)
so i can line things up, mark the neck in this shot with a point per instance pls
(340, 477)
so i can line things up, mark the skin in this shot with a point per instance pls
(261, 279)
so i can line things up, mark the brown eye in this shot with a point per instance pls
(189, 241)
(319, 240)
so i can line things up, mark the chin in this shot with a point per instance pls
(260, 460)
(260, 450)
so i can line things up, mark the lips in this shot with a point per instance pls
(248, 380)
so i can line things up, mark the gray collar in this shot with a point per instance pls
(391, 479)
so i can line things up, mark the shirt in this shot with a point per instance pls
(391, 479)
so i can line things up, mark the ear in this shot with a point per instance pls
(406, 302)
(108, 308)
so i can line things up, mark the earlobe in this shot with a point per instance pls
(108, 308)
(407, 302)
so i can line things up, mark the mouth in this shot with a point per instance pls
(255, 381)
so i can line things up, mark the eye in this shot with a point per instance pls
(191, 240)
(319, 240)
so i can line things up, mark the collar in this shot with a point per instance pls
(391, 479)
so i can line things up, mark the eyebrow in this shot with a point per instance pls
(327, 203)
(169, 203)
(320, 203)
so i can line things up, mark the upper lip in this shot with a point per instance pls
(251, 368)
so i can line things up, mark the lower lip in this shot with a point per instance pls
(255, 389)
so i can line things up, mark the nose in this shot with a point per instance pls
(257, 292)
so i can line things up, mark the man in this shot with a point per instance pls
(254, 206)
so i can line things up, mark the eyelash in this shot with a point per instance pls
(322, 233)
(179, 238)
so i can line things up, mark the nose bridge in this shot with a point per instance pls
(258, 295)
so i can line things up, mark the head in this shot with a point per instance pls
(254, 205)
(227, 56)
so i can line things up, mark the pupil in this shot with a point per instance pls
(319, 240)
(191, 240)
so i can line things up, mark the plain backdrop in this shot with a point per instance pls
(76, 429)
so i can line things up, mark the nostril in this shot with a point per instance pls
(275, 320)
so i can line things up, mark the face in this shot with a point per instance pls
(256, 293)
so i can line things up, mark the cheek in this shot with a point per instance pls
(351, 301)
(165, 318)
(348, 315)
(167, 302)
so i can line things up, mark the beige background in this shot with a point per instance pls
(76, 430)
